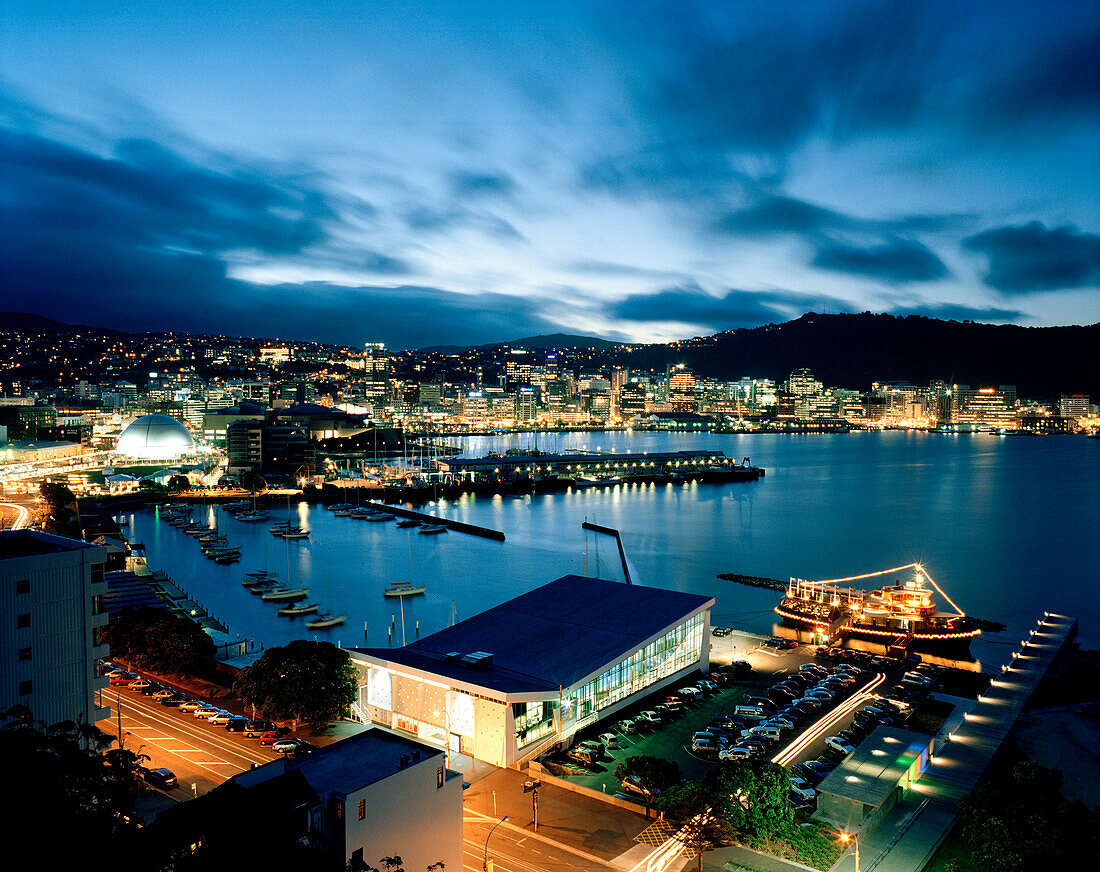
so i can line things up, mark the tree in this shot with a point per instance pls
(61, 514)
(691, 806)
(253, 482)
(55, 776)
(179, 483)
(160, 641)
(1017, 820)
(301, 681)
(654, 774)
(751, 796)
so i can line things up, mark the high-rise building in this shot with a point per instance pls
(376, 371)
(1074, 406)
(803, 384)
(51, 622)
(681, 388)
(517, 369)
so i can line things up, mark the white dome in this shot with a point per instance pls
(155, 437)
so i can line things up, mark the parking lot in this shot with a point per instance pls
(671, 740)
(825, 702)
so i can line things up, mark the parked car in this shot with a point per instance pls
(162, 693)
(648, 717)
(258, 728)
(221, 718)
(236, 724)
(632, 784)
(162, 777)
(627, 726)
(838, 744)
(206, 711)
(735, 752)
(139, 683)
(118, 679)
(192, 704)
(270, 737)
(610, 740)
(287, 744)
(174, 701)
(152, 689)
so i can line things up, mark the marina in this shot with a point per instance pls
(819, 490)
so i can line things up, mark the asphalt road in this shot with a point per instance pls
(513, 850)
(198, 752)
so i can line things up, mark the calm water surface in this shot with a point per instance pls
(1008, 526)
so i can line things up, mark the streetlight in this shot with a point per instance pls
(485, 857)
(845, 838)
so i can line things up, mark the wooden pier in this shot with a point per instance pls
(457, 526)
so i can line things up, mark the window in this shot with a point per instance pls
(439, 777)
(24, 653)
(97, 572)
(97, 605)
(362, 809)
(23, 585)
(23, 620)
(25, 688)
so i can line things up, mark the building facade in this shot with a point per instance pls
(51, 619)
(506, 684)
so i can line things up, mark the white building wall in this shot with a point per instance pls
(410, 815)
(61, 669)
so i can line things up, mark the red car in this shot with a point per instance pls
(270, 737)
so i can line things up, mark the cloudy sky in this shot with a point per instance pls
(423, 173)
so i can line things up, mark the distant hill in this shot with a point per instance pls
(854, 350)
(26, 322)
(552, 340)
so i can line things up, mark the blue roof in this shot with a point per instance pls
(553, 636)
(127, 591)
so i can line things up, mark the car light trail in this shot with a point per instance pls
(823, 725)
(21, 517)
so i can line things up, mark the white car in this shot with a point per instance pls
(222, 718)
(206, 711)
(838, 744)
(138, 683)
(610, 740)
(648, 717)
(627, 726)
(734, 753)
(163, 694)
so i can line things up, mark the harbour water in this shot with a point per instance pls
(1008, 526)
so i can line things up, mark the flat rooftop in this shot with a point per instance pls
(30, 543)
(551, 637)
(874, 769)
(348, 765)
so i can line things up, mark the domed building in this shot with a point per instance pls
(155, 437)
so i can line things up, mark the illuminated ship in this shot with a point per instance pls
(903, 614)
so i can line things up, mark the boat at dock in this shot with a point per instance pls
(596, 480)
(295, 533)
(253, 516)
(378, 517)
(431, 529)
(298, 609)
(902, 615)
(322, 622)
(408, 523)
(285, 594)
(404, 588)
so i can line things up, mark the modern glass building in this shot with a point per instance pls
(506, 684)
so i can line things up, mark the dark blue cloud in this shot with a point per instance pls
(691, 305)
(952, 312)
(1033, 258)
(897, 260)
(482, 184)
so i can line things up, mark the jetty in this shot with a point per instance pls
(754, 581)
(457, 526)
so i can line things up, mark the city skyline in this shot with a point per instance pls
(475, 174)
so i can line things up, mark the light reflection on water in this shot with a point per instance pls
(1003, 524)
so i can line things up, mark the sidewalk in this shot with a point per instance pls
(577, 822)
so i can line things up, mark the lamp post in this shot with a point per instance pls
(854, 839)
(485, 856)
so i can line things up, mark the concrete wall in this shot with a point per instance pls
(410, 815)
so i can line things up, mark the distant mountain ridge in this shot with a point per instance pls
(537, 343)
(852, 351)
(26, 322)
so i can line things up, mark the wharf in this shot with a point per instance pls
(457, 526)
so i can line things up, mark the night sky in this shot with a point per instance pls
(464, 172)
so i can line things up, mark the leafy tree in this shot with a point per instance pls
(691, 806)
(157, 640)
(301, 681)
(1017, 820)
(61, 515)
(653, 773)
(253, 482)
(179, 483)
(751, 796)
(55, 776)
